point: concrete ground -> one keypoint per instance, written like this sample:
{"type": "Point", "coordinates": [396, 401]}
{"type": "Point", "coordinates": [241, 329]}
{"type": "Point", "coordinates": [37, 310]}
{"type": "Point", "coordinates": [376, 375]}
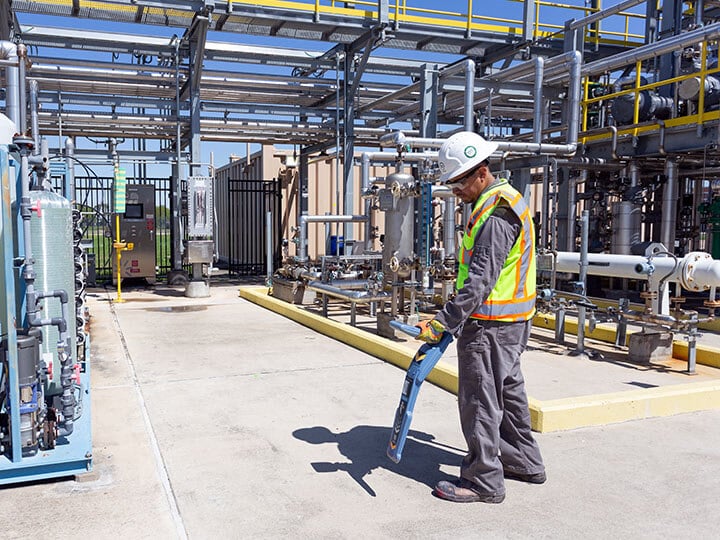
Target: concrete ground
{"type": "Point", "coordinates": [216, 418]}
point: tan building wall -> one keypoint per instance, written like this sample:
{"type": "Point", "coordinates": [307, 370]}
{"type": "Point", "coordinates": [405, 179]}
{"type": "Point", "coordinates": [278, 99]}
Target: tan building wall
{"type": "Point", "coordinates": [323, 195]}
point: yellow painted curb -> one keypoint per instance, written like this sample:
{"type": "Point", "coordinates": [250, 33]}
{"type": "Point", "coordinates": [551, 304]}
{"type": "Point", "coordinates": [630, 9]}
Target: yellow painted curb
{"type": "Point", "coordinates": [704, 354]}
{"type": "Point", "coordinates": [443, 375]}
{"type": "Point", "coordinates": [601, 409]}
{"type": "Point", "coordinates": [545, 416]}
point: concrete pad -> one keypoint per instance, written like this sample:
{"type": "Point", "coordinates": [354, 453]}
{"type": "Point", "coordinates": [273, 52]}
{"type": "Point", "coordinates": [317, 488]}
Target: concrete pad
{"type": "Point", "coordinates": [288, 440]}
{"type": "Point", "coordinates": [565, 391]}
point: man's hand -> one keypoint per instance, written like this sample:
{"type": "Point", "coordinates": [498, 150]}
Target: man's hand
{"type": "Point", "coordinates": [430, 331]}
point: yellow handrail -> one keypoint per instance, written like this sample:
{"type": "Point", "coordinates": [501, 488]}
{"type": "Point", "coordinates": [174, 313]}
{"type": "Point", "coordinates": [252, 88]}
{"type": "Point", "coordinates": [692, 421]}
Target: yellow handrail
{"type": "Point", "coordinates": [698, 117]}
{"type": "Point", "coordinates": [403, 11]}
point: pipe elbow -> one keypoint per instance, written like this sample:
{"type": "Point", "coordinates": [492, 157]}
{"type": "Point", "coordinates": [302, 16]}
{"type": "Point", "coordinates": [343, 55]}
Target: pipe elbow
{"type": "Point", "coordinates": [572, 149]}
{"type": "Point", "coordinates": [8, 50]}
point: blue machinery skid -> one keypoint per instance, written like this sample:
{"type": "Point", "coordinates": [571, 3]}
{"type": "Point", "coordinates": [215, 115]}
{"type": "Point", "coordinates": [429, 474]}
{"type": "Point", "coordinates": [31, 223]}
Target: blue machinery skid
{"type": "Point", "coordinates": [45, 428]}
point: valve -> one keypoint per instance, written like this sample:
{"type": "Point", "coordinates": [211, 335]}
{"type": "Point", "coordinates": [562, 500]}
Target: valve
{"type": "Point", "coordinates": [123, 246]}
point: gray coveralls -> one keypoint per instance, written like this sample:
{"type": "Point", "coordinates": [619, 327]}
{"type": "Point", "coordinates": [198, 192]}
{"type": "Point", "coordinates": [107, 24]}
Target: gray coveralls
{"type": "Point", "coordinates": [494, 412]}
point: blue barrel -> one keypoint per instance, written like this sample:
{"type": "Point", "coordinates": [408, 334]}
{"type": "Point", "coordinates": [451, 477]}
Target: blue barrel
{"type": "Point", "coordinates": [337, 244]}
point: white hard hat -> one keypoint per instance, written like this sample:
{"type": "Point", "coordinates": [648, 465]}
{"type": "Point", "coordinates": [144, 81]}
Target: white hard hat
{"type": "Point", "coordinates": [462, 152]}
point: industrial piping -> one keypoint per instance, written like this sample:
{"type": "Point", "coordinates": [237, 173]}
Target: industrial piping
{"type": "Point", "coordinates": [8, 51]}
{"type": "Point", "coordinates": [304, 220]}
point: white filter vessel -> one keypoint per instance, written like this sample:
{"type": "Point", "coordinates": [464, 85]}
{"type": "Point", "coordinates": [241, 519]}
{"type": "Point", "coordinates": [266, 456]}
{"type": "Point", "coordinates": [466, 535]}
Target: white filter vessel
{"type": "Point", "coordinates": [52, 245]}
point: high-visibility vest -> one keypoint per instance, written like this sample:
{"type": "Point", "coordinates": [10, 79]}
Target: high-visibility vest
{"type": "Point", "coordinates": [513, 296]}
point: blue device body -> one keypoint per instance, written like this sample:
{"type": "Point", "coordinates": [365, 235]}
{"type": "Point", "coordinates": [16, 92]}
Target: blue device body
{"type": "Point", "coordinates": [422, 364]}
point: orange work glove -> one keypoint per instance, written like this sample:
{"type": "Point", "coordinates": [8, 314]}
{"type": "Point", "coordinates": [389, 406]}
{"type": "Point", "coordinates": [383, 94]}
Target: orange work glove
{"type": "Point", "coordinates": [430, 331]}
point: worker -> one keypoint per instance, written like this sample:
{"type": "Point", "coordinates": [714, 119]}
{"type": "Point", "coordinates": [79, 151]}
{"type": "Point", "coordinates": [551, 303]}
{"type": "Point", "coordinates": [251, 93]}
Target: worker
{"type": "Point", "coordinates": [490, 314]}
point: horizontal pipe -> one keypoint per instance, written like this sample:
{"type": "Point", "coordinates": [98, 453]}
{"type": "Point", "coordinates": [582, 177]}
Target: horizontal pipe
{"type": "Point", "coordinates": [304, 220]}
{"type": "Point", "coordinates": [697, 271]}
{"type": "Point", "coordinates": [359, 297]}
{"type": "Point", "coordinates": [333, 219]}
{"type": "Point", "coordinates": [652, 50]}
{"type": "Point", "coordinates": [599, 15]}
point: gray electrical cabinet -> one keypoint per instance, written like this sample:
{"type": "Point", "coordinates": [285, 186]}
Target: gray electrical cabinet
{"type": "Point", "coordinates": [137, 226]}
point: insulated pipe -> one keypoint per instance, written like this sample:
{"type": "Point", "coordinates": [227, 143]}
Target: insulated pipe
{"type": "Point", "coordinates": [8, 51]}
{"type": "Point", "coordinates": [670, 198]}
{"type": "Point", "coordinates": [305, 219]}
{"type": "Point", "coordinates": [697, 271]}
{"type": "Point", "coordinates": [442, 191]}
{"type": "Point", "coordinates": [398, 138]}
{"type": "Point", "coordinates": [538, 105]}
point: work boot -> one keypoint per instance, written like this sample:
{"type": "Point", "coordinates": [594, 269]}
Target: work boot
{"type": "Point", "coordinates": [464, 491]}
{"type": "Point", "coordinates": [535, 478]}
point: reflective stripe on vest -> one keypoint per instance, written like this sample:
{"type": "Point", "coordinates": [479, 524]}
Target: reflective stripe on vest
{"type": "Point", "coordinates": [513, 296]}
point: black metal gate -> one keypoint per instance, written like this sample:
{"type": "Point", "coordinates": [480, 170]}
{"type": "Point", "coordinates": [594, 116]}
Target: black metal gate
{"type": "Point", "coordinates": [249, 202]}
{"type": "Point", "coordinates": [93, 195]}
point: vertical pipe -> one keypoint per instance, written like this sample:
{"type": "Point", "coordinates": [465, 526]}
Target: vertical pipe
{"type": "Point", "coordinates": [268, 246]}
{"type": "Point", "coordinates": [22, 57]}
{"type": "Point", "coordinates": [572, 211]}
{"type": "Point", "coordinates": [584, 223]}
{"type": "Point", "coordinates": [575, 91]}
{"type": "Point", "coordinates": [337, 139]}
{"type": "Point", "coordinates": [538, 96]}
{"type": "Point", "coordinates": [669, 205]}
{"type": "Point", "coordinates": [34, 124]}
{"type": "Point", "coordinates": [699, 9]}
{"type": "Point", "coordinates": [449, 228]}
{"type": "Point", "coordinates": [69, 190]}
{"type": "Point", "coordinates": [367, 207]}
{"type": "Point", "coordinates": [469, 94]}
{"type": "Point", "coordinates": [176, 184]}
{"type": "Point", "coordinates": [545, 226]}
{"type": "Point", "coordinates": [8, 51]}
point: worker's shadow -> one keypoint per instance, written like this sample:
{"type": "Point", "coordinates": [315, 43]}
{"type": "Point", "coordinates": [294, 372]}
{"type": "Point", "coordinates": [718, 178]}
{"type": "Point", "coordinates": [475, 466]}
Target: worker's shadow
{"type": "Point", "coordinates": [365, 446]}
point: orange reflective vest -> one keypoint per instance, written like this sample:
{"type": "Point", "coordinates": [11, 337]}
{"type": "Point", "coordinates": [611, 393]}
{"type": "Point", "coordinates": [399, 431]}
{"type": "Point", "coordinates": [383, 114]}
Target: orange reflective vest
{"type": "Point", "coordinates": [513, 296]}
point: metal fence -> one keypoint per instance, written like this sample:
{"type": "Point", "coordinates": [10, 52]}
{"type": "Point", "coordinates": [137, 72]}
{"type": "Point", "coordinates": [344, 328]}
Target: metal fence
{"type": "Point", "coordinates": [94, 200]}
{"type": "Point", "coordinates": [241, 234]}
{"type": "Point", "coordinates": [242, 209]}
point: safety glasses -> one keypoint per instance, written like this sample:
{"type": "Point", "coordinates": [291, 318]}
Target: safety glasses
{"type": "Point", "coordinates": [460, 182]}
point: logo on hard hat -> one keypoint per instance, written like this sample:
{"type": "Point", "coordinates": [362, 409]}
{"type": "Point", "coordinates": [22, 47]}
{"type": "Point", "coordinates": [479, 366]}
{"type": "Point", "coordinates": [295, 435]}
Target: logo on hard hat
{"type": "Point", "coordinates": [470, 152]}
{"type": "Point", "coordinates": [441, 164]}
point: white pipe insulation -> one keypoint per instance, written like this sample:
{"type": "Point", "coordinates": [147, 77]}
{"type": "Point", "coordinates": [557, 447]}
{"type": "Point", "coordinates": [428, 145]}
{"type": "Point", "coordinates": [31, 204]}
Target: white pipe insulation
{"type": "Point", "coordinates": [697, 271]}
